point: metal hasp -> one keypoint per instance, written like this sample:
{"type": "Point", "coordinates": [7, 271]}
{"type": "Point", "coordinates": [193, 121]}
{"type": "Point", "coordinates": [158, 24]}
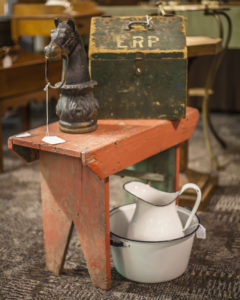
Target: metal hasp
{"type": "Point", "coordinates": [77, 107]}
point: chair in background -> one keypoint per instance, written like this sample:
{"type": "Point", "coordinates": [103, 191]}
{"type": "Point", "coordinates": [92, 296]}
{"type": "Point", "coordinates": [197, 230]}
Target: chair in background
{"type": "Point", "coordinates": [206, 91]}
{"type": "Point", "coordinates": [22, 81]}
{"type": "Point", "coordinates": [199, 46]}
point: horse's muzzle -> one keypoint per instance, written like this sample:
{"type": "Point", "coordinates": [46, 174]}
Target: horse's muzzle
{"type": "Point", "coordinates": [53, 52]}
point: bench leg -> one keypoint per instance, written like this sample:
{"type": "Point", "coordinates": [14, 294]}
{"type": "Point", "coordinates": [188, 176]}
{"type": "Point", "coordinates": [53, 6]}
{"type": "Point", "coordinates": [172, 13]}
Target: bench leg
{"type": "Point", "coordinates": [72, 193]}
{"type": "Point", "coordinates": [92, 226]}
{"type": "Point", "coordinates": [57, 228]}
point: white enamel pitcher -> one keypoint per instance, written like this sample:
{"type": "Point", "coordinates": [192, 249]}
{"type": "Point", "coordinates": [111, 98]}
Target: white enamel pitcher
{"type": "Point", "coordinates": [156, 217]}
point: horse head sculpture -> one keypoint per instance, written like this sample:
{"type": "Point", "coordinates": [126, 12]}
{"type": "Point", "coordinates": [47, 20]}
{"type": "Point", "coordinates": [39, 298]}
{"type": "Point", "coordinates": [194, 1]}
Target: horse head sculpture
{"type": "Point", "coordinates": [77, 107]}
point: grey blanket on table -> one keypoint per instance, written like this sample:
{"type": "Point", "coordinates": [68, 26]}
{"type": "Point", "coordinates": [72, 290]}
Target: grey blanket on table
{"type": "Point", "coordinates": [214, 267]}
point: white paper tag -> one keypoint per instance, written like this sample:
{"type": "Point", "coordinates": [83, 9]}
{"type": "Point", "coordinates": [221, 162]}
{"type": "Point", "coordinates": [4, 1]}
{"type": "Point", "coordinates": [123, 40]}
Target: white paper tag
{"type": "Point", "coordinates": [25, 134]}
{"type": "Point", "coordinates": [201, 232]}
{"type": "Point", "coordinates": [7, 61]}
{"type": "Point", "coordinates": [53, 140]}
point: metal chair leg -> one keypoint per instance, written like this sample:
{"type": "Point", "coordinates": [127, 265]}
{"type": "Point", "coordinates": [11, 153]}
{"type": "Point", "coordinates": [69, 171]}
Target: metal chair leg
{"type": "Point", "coordinates": [205, 111]}
{"type": "Point", "coordinates": [207, 124]}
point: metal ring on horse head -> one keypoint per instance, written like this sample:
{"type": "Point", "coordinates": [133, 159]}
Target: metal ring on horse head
{"type": "Point", "coordinates": [57, 85]}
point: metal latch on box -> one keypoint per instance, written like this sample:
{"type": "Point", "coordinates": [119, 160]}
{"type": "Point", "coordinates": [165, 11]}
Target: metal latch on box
{"type": "Point", "coordinates": [139, 63]}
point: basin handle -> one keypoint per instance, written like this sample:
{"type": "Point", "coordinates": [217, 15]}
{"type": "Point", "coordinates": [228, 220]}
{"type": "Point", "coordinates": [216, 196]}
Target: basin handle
{"type": "Point", "coordinates": [118, 244]}
{"type": "Point", "coordinates": [197, 201]}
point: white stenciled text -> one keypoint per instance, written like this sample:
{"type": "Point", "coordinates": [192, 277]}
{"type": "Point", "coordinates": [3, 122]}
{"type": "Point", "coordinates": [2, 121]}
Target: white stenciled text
{"type": "Point", "coordinates": [137, 42]}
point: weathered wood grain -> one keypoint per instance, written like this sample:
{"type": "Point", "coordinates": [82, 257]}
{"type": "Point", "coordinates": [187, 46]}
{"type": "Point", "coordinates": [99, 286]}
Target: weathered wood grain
{"type": "Point", "coordinates": [72, 193]}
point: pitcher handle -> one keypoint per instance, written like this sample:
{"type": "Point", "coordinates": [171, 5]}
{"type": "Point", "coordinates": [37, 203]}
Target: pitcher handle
{"type": "Point", "coordinates": [197, 202]}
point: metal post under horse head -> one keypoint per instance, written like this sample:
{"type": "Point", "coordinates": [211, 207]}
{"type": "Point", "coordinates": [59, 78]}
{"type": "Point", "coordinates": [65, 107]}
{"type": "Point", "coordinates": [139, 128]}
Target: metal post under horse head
{"type": "Point", "coordinates": [77, 108]}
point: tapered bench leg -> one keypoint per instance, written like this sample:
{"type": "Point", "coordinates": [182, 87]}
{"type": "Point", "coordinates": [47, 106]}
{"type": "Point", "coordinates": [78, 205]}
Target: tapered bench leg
{"type": "Point", "coordinates": [57, 229]}
{"type": "Point", "coordinates": [92, 225]}
{"type": "Point", "coordinates": [71, 192]}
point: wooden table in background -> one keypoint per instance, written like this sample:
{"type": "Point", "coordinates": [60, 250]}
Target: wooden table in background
{"type": "Point", "coordinates": [22, 82]}
{"type": "Point", "coordinates": [75, 181]}
{"type": "Point", "coordinates": [203, 45]}
{"type": "Point", "coordinates": [38, 19]}
{"type": "Point", "coordinates": [198, 46]}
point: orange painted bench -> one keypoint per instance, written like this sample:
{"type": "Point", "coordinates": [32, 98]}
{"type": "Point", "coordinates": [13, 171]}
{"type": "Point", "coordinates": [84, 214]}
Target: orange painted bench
{"type": "Point", "coordinates": [75, 181]}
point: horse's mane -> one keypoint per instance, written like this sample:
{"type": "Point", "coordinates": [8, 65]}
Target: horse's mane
{"type": "Point", "coordinates": [74, 37]}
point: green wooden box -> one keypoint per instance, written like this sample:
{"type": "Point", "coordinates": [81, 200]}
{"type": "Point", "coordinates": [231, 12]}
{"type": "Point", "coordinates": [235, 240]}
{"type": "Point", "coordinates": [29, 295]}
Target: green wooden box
{"type": "Point", "coordinates": [140, 66]}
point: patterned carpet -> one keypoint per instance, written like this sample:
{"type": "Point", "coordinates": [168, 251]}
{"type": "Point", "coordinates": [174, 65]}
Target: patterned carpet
{"type": "Point", "coordinates": [214, 268]}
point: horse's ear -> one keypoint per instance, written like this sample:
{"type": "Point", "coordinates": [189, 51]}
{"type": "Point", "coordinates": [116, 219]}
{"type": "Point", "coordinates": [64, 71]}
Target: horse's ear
{"type": "Point", "coordinates": [71, 24]}
{"type": "Point", "coordinates": [57, 21]}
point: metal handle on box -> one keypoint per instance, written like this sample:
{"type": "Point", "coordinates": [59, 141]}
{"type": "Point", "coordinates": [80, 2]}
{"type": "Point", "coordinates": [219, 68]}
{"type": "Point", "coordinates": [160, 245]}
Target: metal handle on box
{"type": "Point", "coordinates": [146, 24]}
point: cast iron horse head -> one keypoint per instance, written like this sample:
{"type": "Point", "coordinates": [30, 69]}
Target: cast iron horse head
{"type": "Point", "coordinates": [77, 107]}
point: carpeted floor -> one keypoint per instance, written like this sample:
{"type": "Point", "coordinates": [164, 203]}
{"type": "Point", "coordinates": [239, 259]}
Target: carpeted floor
{"type": "Point", "coordinates": [214, 268]}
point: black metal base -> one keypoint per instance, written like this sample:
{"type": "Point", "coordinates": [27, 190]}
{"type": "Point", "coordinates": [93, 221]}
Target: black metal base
{"type": "Point", "coordinates": [80, 127]}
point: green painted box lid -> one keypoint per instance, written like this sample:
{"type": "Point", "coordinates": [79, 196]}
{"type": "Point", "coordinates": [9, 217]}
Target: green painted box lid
{"type": "Point", "coordinates": [140, 65]}
{"type": "Point", "coordinates": [122, 37]}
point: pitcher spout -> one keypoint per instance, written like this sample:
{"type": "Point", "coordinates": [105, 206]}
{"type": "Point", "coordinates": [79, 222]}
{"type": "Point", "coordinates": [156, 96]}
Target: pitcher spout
{"type": "Point", "coordinates": [149, 194]}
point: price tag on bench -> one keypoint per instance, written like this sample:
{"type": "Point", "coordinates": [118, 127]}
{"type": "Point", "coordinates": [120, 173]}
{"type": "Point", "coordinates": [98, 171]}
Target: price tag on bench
{"type": "Point", "coordinates": [53, 140]}
{"type": "Point", "coordinates": [25, 134]}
